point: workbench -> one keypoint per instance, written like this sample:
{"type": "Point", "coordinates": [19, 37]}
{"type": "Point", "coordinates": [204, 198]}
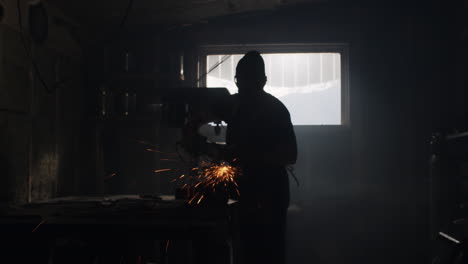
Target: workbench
{"type": "Point", "coordinates": [129, 228]}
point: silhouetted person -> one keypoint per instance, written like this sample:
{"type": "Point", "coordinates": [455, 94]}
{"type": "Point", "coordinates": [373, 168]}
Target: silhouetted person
{"type": "Point", "coordinates": [260, 135]}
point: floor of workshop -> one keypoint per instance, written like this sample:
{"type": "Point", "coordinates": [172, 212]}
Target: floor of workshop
{"type": "Point", "coordinates": [364, 230]}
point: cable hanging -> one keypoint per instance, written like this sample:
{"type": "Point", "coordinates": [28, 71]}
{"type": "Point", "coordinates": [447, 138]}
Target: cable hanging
{"type": "Point", "coordinates": [28, 51]}
{"type": "Point", "coordinates": [29, 54]}
{"type": "Point", "coordinates": [216, 65]}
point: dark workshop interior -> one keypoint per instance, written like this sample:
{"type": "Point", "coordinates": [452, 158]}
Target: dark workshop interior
{"type": "Point", "coordinates": [114, 116]}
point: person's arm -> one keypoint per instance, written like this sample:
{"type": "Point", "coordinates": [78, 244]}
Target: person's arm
{"type": "Point", "coordinates": [286, 149]}
{"type": "Point", "coordinates": [192, 141]}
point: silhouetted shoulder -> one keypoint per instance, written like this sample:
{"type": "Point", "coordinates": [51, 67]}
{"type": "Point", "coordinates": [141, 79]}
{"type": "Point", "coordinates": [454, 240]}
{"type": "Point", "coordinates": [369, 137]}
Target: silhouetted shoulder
{"type": "Point", "coordinates": [276, 106]}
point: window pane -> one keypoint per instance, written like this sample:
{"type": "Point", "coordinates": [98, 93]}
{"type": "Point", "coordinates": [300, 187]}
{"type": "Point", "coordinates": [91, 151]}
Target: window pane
{"type": "Point", "coordinates": [308, 84]}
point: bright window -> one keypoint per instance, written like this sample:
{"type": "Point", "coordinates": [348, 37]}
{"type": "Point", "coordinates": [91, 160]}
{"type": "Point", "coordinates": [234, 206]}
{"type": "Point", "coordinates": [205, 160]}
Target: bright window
{"type": "Point", "coordinates": [308, 84]}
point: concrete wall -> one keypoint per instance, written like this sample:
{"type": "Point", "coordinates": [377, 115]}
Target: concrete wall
{"type": "Point", "coordinates": [40, 142]}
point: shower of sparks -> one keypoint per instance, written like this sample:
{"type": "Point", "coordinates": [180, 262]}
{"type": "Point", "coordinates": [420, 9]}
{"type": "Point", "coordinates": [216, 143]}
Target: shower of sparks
{"type": "Point", "coordinates": [200, 181]}
{"type": "Point", "coordinates": [34, 230]}
{"type": "Point", "coordinates": [162, 170]}
{"type": "Point", "coordinates": [210, 178]}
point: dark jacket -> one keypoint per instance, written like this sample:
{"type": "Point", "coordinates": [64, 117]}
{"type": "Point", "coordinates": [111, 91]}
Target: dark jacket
{"type": "Point", "coordinates": [261, 137]}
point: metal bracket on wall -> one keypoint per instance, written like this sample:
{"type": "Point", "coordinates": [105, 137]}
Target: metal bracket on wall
{"type": "Point", "coordinates": [2, 11]}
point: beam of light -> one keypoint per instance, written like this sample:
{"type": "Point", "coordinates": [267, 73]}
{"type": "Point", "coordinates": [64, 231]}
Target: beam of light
{"type": "Point", "coordinates": [42, 222]}
{"type": "Point", "coordinates": [162, 170]}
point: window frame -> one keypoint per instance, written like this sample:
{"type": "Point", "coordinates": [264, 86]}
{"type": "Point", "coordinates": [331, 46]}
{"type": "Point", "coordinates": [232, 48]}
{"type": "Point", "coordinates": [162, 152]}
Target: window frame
{"type": "Point", "coordinates": [341, 48]}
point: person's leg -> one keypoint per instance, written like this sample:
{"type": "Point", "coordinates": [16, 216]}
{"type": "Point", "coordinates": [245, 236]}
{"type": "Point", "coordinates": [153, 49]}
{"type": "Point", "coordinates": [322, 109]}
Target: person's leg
{"type": "Point", "coordinates": [250, 234]}
{"type": "Point", "coordinates": [274, 235]}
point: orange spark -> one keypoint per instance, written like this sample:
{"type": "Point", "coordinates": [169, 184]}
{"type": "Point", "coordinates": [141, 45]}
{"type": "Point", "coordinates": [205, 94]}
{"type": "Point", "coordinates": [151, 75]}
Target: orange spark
{"type": "Point", "coordinates": [34, 230]}
{"type": "Point", "coordinates": [167, 245]}
{"type": "Point", "coordinates": [193, 198]}
{"type": "Point", "coordinates": [153, 150]}
{"type": "Point", "coordinates": [161, 152]}
{"type": "Point", "coordinates": [162, 170]}
{"type": "Point", "coordinates": [145, 143]}
{"type": "Point", "coordinates": [201, 198]}
{"type": "Point", "coordinates": [110, 176]}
